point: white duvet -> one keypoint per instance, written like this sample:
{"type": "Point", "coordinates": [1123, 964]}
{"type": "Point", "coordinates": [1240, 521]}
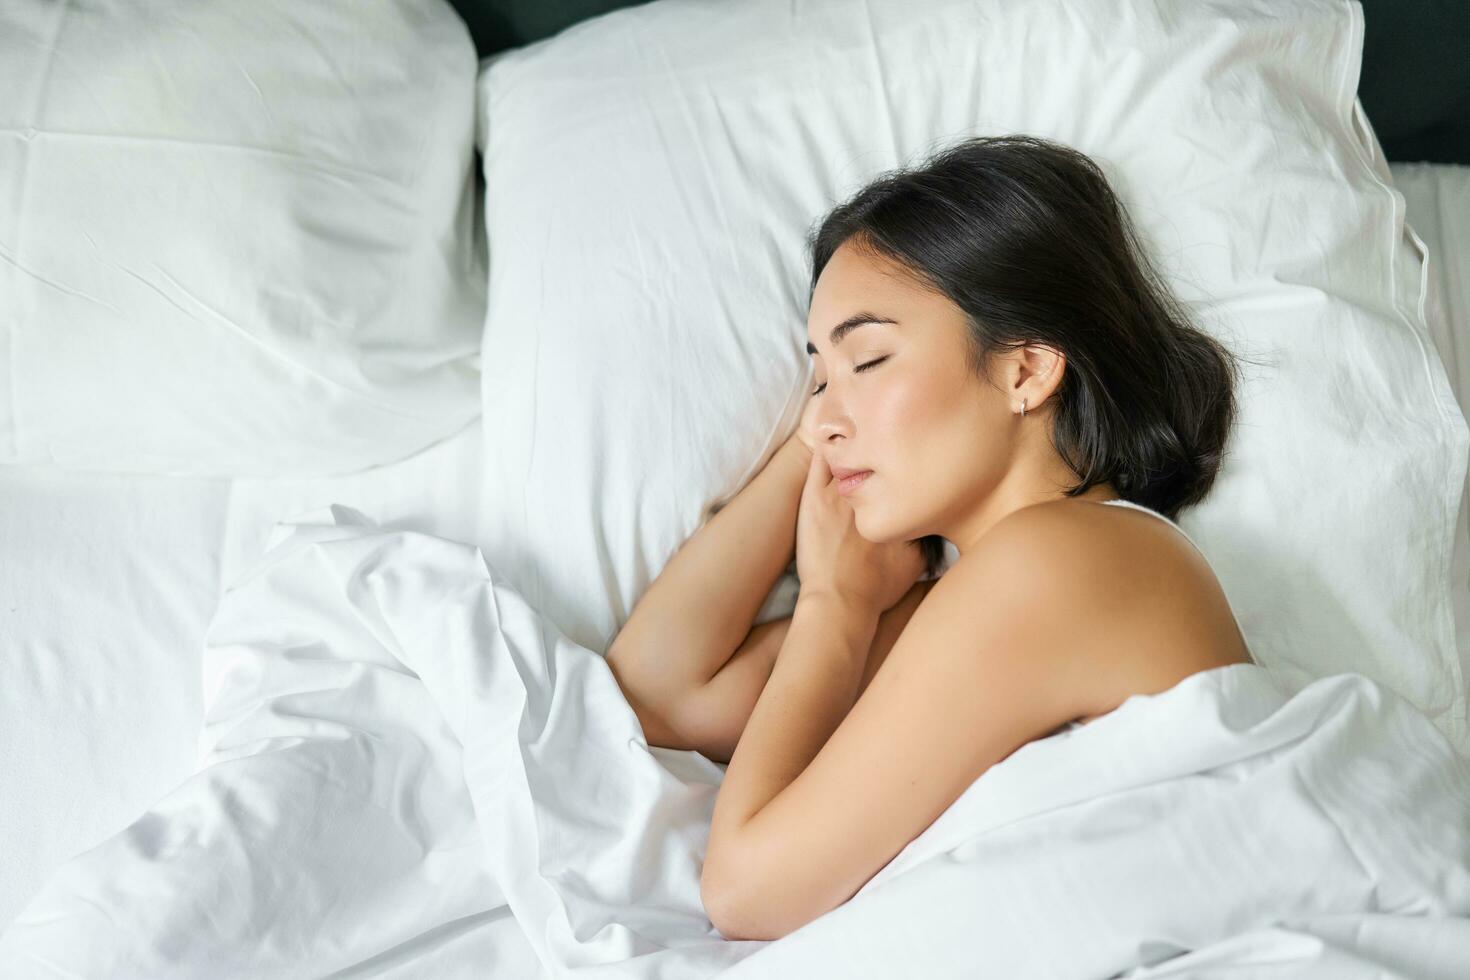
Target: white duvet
{"type": "Point", "coordinates": [399, 754]}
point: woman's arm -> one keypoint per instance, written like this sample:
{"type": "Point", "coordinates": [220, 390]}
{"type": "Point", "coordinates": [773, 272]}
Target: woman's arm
{"type": "Point", "coordinates": [688, 624]}
{"type": "Point", "coordinates": [711, 718]}
{"type": "Point", "coordinates": [814, 686]}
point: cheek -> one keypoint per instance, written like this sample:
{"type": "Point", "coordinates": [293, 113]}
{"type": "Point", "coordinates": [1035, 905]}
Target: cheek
{"type": "Point", "coordinates": [904, 427]}
{"type": "Point", "coordinates": [909, 412]}
{"type": "Point", "coordinates": [934, 435]}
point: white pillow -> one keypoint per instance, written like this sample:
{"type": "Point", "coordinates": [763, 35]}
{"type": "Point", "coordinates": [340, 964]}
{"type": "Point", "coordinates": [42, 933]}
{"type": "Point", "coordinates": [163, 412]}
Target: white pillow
{"type": "Point", "coordinates": [652, 174]}
{"type": "Point", "coordinates": [236, 238]}
{"type": "Point", "coordinates": [1437, 202]}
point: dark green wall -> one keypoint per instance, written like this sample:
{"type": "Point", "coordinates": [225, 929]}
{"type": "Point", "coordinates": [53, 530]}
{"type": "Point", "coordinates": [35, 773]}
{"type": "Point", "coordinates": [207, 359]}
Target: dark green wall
{"type": "Point", "coordinates": [499, 24]}
{"type": "Point", "coordinates": [1415, 84]}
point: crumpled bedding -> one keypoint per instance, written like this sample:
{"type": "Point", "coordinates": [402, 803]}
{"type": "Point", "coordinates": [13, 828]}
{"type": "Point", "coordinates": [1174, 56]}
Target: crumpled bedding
{"type": "Point", "coordinates": [398, 750]}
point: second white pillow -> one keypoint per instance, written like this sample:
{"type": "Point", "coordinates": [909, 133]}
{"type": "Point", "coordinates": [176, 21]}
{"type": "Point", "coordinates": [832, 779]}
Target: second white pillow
{"type": "Point", "coordinates": [236, 239]}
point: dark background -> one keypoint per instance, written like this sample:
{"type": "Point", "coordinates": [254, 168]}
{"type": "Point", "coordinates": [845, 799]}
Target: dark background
{"type": "Point", "coordinates": [1415, 83]}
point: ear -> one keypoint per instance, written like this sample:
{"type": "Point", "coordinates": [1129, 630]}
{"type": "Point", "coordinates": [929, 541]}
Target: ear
{"type": "Point", "coordinates": [1032, 372]}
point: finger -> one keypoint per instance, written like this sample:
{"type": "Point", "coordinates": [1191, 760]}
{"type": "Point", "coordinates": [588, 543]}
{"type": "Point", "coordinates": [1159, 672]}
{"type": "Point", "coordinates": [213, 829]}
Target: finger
{"type": "Point", "coordinates": [817, 473]}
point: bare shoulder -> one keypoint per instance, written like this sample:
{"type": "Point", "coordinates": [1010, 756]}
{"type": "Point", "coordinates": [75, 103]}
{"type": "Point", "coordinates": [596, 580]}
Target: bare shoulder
{"type": "Point", "coordinates": [1126, 601]}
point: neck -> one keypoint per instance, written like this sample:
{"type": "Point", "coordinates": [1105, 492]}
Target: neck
{"type": "Point", "coordinates": [1020, 488]}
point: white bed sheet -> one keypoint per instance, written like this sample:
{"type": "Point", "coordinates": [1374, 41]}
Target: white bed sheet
{"type": "Point", "coordinates": [107, 584]}
{"type": "Point", "coordinates": [398, 743]}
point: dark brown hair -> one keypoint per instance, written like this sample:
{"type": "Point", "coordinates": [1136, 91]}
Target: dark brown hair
{"type": "Point", "coordinates": [1027, 238]}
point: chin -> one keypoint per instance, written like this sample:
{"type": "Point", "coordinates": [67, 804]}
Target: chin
{"type": "Point", "coordinates": [871, 527]}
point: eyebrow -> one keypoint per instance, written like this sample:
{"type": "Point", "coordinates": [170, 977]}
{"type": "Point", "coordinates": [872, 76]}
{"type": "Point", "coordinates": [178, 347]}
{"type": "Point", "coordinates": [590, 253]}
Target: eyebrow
{"type": "Point", "coordinates": [848, 326]}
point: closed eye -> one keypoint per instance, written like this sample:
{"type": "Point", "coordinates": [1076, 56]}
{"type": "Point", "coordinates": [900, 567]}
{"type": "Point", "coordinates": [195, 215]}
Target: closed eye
{"type": "Point", "coordinates": [860, 367]}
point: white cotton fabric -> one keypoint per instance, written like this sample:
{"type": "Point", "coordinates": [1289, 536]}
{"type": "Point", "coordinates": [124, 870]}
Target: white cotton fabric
{"type": "Point", "coordinates": [236, 239]}
{"type": "Point", "coordinates": [107, 584]}
{"type": "Point", "coordinates": [397, 745]}
{"type": "Point", "coordinates": [1437, 198]}
{"type": "Point", "coordinates": [651, 175]}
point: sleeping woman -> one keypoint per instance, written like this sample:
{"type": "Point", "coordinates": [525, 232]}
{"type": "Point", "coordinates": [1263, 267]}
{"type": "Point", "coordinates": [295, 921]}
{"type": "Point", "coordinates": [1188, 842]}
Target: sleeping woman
{"type": "Point", "coordinates": [996, 361]}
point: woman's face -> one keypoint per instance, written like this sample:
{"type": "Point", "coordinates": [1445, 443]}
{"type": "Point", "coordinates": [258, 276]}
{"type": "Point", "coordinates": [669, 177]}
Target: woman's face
{"type": "Point", "coordinates": [899, 398]}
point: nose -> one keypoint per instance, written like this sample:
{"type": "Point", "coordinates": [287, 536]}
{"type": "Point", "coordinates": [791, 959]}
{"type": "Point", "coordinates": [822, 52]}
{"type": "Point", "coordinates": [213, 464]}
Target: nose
{"type": "Point", "coordinates": [833, 421]}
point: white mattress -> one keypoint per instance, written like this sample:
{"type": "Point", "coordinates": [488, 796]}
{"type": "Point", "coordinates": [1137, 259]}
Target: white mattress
{"type": "Point", "coordinates": [108, 582]}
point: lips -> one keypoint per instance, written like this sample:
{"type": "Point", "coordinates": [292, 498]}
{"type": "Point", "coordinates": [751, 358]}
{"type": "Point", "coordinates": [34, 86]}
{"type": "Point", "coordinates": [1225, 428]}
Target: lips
{"type": "Point", "coordinates": [842, 472]}
{"type": "Point", "coordinates": [847, 484]}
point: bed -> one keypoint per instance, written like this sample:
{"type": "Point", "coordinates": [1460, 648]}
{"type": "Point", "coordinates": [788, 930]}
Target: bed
{"type": "Point", "coordinates": [110, 580]}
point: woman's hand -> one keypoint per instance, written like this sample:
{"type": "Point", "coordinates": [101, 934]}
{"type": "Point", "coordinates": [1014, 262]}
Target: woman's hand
{"type": "Point", "coordinates": [806, 430]}
{"type": "Point", "coordinates": [800, 445]}
{"type": "Point", "coordinates": [831, 556]}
